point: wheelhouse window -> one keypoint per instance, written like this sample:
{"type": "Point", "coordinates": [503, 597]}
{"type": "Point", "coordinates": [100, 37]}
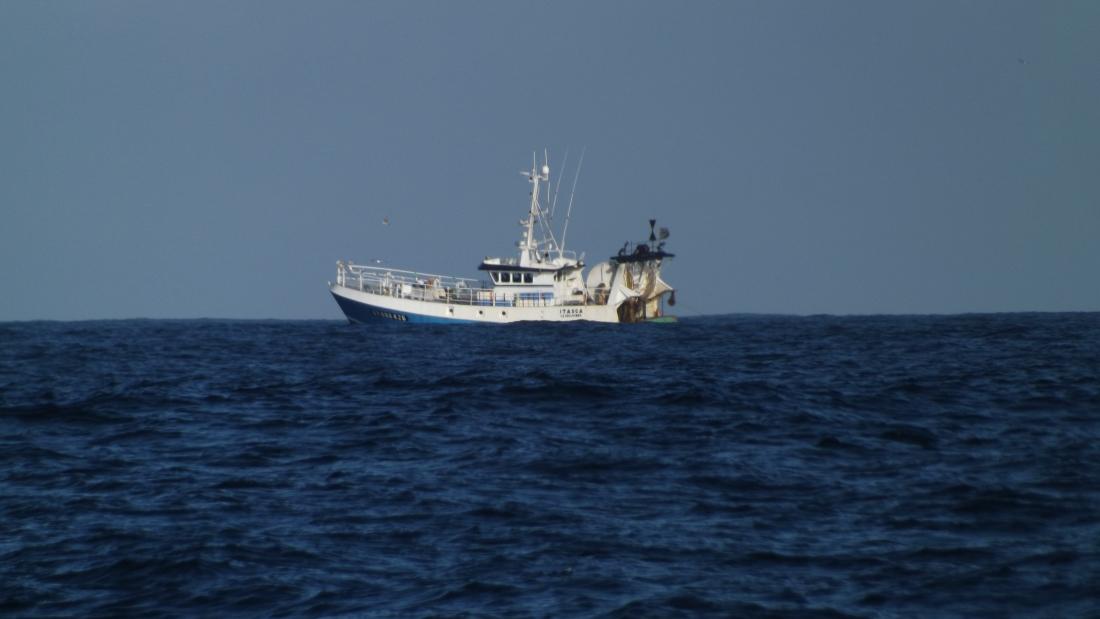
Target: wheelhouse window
{"type": "Point", "coordinates": [512, 277]}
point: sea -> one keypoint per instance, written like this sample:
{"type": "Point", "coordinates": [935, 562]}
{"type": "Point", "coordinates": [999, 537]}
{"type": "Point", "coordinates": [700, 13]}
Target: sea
{"type": "Point", "coordinates": [722, 466]}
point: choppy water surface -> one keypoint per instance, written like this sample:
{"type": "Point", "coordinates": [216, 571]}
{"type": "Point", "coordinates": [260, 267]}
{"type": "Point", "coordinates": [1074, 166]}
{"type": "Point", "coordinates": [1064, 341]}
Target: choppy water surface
{"type": "Point", "coordinates": [732, 466]}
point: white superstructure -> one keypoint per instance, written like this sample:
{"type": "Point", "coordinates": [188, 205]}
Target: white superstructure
{"type": "Point", "coordinates": [544, 282]}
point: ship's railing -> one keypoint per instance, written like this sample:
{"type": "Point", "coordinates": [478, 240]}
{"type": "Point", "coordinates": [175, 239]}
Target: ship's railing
{"type": "Point", "coordinates": [568, 254]}
{"type": "Point", "coordinates": [431, 287]}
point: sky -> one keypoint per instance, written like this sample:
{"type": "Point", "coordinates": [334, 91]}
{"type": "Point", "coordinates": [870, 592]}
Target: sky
{"type": "Point", "coordinates": [215, 159]}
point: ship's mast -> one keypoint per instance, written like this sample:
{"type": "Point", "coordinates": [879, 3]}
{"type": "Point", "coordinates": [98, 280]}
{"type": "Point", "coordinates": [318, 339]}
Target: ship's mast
{"type": "Point", "coordinates": [529, 249]}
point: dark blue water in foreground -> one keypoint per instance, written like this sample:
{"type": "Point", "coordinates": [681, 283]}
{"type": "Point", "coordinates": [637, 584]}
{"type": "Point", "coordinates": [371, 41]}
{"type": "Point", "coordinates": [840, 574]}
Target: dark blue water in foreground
{"type": "Point", "coordinates": [736, 466]}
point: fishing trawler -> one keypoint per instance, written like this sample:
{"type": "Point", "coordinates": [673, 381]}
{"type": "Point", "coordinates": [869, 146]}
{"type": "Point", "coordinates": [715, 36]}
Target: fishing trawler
{"type": "Point", "coordinates": [545, 282]}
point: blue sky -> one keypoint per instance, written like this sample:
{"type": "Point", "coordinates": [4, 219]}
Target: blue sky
{"type": "Point", "coordinates": [197, 159]}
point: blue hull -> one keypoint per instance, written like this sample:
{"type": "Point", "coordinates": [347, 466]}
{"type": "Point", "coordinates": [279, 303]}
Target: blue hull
{"type": "Point", "coordinates": [364, 312]}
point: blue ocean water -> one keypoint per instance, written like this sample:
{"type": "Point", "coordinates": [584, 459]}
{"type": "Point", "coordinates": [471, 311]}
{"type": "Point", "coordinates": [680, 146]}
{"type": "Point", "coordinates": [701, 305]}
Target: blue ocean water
{"type": "Point", "coordinates": [745, 466]}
